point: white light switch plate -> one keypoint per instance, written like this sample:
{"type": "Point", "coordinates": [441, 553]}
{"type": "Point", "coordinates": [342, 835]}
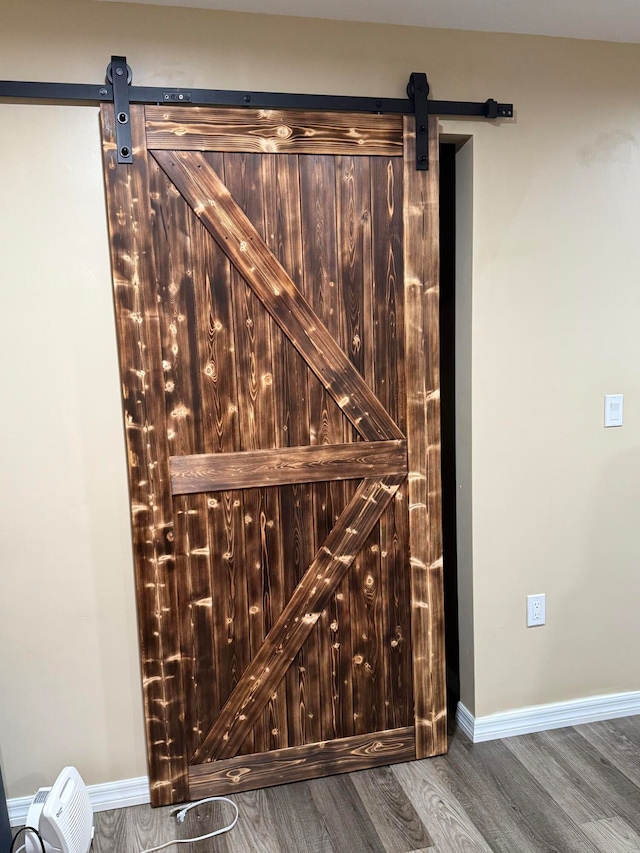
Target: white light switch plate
{"type": "Point", "coordinates": [613, 409]}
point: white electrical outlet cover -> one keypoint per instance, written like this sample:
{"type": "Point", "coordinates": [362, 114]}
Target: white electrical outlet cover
{"type": "Point", "coordinates": [536, 610]}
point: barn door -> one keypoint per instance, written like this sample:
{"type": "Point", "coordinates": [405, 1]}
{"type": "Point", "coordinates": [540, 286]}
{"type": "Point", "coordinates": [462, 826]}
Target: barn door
{"type": "Point", "coordinates": [276, 291]}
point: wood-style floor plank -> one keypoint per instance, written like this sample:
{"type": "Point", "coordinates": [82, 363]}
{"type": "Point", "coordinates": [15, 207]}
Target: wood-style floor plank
{"type": "Point", "coordinates": [537, 812]}
{"type": "Point", "coordinates": [521, 795]}
{"type": "Point", "coordinates": [613, 788]}
{"type": "Point", "coordinates": [445, 819]}
{"type": "Point", "coordinates": [489, 811]}
{"type": "Point", "coordinates": [201, 821]}
{"type": "Point", "coordinates": [256, 830]}
{"type": "Point", "coordinates": [349, 826]}
{"type": "Point", "coordinates": [619, 740]}
{"type": "Point", "coordinates": [613, 835]}
{"type": "Point", "coordinates": [570, 790]}
{"type": "Point", "coordinates": [133, 829]}
{"type": "Point", "coordinates": [391, 811]}
{"type": "Point", "coordinates": [300, 824]}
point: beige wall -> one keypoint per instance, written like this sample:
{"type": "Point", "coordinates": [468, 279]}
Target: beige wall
{"type": "Point", "coordinates": [555, 307]}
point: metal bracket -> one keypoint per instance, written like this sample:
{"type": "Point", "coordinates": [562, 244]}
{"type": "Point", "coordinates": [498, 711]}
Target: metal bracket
{"type": "Point", "coordinates": [179, 97]}
{"type": "Point", "coordinates": [418, 89]}
{"type": "Point", "coordinates": [119, 74]}
{"type": "Point", "coordinates": [496, 110]}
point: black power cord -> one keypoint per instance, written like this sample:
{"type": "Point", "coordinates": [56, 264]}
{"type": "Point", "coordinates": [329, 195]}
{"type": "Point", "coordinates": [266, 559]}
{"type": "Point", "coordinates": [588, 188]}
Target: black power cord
{"type": "Point", "coordinates": [26, 829]}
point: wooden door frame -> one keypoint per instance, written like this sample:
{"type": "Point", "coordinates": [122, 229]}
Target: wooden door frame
{"type": "Point", "coordinates": [172, 780]}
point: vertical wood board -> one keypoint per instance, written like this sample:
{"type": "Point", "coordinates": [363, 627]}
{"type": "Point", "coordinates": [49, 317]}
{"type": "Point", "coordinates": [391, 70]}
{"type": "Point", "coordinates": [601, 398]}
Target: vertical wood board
{"type": "Point", "coordinates": [422, 360]}
{"type": "Point", "coordinates": [140, 354]}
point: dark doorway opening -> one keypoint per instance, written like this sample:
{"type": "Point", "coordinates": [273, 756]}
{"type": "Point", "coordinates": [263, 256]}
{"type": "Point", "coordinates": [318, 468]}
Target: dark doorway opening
{"type": "Point", "coordinates": [448, 414]}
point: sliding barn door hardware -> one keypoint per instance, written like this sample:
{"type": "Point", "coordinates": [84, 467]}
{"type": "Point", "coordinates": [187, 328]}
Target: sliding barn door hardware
{"type": "Point", "coordinates": [418, 90]}
{"type": "Point", "coordinates": [120, 75]}
{"type": "Point", "coordinates": [119, 90]}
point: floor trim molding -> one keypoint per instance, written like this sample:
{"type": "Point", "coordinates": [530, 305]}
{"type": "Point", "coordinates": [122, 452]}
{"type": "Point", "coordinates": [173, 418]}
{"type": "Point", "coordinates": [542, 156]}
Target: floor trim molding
{"type": "Point", "coordinates": [540, 718]}
{"type": "Point", "coordinates": [537, 718]}
{"type": "Point", "coordinates": [110, 795]}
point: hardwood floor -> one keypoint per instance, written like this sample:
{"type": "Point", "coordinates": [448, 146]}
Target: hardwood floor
{"type": "Point", "coordinates": [569, 790]}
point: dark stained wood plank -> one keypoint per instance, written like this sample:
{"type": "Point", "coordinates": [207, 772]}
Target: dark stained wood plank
{"type": "Point", "coordinates": [354, 238]}
{"type": "Point", "coordinates": [422, 359]}
{"type": "Point", "coordinates": [322, 289]}
{"type": "Point", "coordinates": [273, 131]}
{"type": "Point", "coordinates": [303, 694]}
{"type": "Point", "coordinates": [266, 601]}
{"type": "Point", "coordinates": [298, 618]}
{"type": "Point", "coordinates": [388, 284]}
{"type": "Point", "coordinates": [180, 341]}
{"type": "Point", "coordinates": [296, 763]}
{"type": "Point", "coordinates": [275, 598]}
{"type": "Point", "coordinates": [178, 320]}
{"type": "Point", "coordinates": [221, 382]}
{"type": "Point", "coordinates": [220, 433]}
{"type": "Point", "coordinates": [349, 825]}
{"type": "Point", "coordinates": [359, 604]}
{"type": "Point", "coordinates": [366, 639]}
{"type": "Point", "coordinates": [224, 219]}
{"type": "Point", "coordinates": [365, 617]}
{"type": "Point", "coordinates": [297, 387]}
{"type": "Point", "coordinates": [283, 466]}
{"type": "Point", "coordinates": [139, 345]}
{"type": "Point", "coordinates": [283, 235]}
{"type": "Point", "coordinates": [196, 602]}
{"type": "Point", "coordinates": [277, 588]}
{"type": "Point", "coordinates": [390, 387]}
{"type": "Point", "coordinates": [395, 819]}
{"type": "Point", "coordinates": [353, 205]}
{"type": "Point", "coordinates": [254, 367]}
{"type": "Point", "coordinates": [216, 337]}
{"type": "Point", "coordinates": [229, 592]}
{"type": "Point", "coordinates": [396, 598]}
{"type": "Point", "coordinates": [338, 636]}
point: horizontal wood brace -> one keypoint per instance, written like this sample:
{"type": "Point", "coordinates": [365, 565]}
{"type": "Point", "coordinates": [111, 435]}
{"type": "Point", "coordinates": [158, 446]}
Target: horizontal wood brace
{"type": "Point", "coordinates": [250, 469]}
{"type": "Point", "coordinates": [293, 764]}
{"type": "Point", "coordinates": [273, 131]}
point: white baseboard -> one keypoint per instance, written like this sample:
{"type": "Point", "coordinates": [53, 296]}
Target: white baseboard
{"type": "Point", "coordinates": [540, 718]}
{"type": "Point", "coordinates": [466, 720]}
{"type": "Point", "coordinates": [110, 795]}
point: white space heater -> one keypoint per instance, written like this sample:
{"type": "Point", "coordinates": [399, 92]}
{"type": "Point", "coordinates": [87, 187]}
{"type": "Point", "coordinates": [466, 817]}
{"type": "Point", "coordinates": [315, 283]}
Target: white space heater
{"type": "Point", "coordinates": [62, 815]}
